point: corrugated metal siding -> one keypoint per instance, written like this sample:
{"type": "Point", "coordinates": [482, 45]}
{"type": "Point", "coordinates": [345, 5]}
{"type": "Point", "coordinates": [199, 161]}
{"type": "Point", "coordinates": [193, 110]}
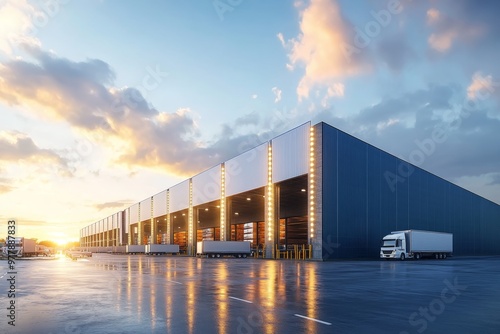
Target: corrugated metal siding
{"type": "Point", "coordinates": [146, 209]}
{"type": "Point", "coordinates": [206, 186]}
{"type": "Point", "coordinates": [160, 204]}
{"type": "Point", "coordinates": [291, 153]}
{"type": "Point", "coordinates": [247, 171]}
{"type": "Point", "coordinates": [134, 212]}
{"type": "Point", "coordinates": [179, 196]}
{"type": "Point", "coordinates": [367, 193]}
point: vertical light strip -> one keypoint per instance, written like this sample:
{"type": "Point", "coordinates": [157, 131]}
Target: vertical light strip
{"type": "Point", "coordinates": [311, 182]}
{"type": "Point", "coordinates": [168, 217]}
{"type": "Point", "coordinates": [129, 236]}
{"type": "Point", "coordinates": [190, 216]}
{"type": "Point", "coordinates": [139, 229]}
{"type": "Point", "coordinates": [223, 202]}
{"type": "Point", "coordinates": [152, 237]}
{"type": "Point", "coordinates": [269, 195]}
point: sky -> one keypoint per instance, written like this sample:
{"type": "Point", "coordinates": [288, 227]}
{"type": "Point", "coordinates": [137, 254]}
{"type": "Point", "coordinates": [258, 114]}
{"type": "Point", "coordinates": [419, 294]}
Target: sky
{"type": "Point", "coordinates": [104, 103]}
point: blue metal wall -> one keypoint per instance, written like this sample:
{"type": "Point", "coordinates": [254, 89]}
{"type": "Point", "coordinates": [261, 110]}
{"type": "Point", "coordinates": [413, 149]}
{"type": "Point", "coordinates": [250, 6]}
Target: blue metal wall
{"type": "Point", "coordinates": [367, 193]}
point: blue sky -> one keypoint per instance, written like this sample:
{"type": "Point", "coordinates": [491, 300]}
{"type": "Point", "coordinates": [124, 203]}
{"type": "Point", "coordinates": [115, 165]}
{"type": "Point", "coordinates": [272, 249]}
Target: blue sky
{"type": "Point", "coordinates": [104, 103]}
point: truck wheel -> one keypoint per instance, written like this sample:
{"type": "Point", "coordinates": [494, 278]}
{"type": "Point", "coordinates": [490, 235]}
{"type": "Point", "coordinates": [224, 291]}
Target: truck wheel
{"type": "Point", "coordinates": [239, 255]}
{"type": "Point", "coordinates": [212, 255]}
{"type": "Point", "coordinates": [436, 256]}
{"type": "Point", "coordinates": [417, 256]}
{"type": "Point", "coordinates": [402, 257]}
{"type": "Point", "coordinates": [444, 256]}
{"type": "Point", "coordinates": [218, 255]}
{"type": "Point", "coordinates": [244, 256]}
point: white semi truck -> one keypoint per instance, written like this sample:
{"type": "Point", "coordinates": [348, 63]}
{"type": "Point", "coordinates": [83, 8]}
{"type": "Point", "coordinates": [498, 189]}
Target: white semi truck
{"type": "Point", "coordinates": [415, 244]}
{"type": "Point", "coordinates": [211, 248]}
{"type": "Point", "coordinates": [19, 247]}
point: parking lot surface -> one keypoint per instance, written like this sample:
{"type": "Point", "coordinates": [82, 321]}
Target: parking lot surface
{"type": "Point", "coordinates": [147, 294]}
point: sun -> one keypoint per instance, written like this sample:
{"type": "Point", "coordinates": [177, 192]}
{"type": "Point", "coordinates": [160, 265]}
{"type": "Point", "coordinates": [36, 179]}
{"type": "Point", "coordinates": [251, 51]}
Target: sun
{"type": "Point", "coordinates": [61, 242]}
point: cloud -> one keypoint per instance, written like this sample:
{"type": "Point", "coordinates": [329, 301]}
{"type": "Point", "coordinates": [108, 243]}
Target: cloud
{"type": "Point", "coordinates": [119, 120]}
{"type": "Point", "coordinates": [480, 85]}
{"type": "Point", "coordinates": [15, 23]}
{"type": "Point", "coordinates": [277, 94]}
{"type": "Point", "coordinates": [324, 47]}
{"type": "Point", "coordinates": [494, 179]}
{"type": "Point", "coordinates": [433, 16]}
{"type": "Point", "coordinates": [112, 205]}
{"type": "Point", "coordinates": [395, 51]}
{"type": "Point", "coordinates": [16, 147]}
{"type": "Point", "coordinates": [254, 96]}
{"type": "Point", "coordinates": [5, 184]}
{"type": "Point", "coordinates": [413, 117]}
{"type": "Point", "coordinates": [411, 109]}
{"type": "Point", "coordinates": [281, 39]}
{"type": "Point", "coordinates": [448, 30]}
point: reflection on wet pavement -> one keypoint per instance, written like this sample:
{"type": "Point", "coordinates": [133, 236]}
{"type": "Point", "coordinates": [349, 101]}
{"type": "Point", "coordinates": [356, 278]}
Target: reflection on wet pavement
{"type": "Point", "coordinates": [173, 294]}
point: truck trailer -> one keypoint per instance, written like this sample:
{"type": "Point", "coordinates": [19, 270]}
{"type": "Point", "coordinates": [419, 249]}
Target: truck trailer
{"type": "Point", "coordinates": [211, 248]}
{"type": "Point", "coordinates": [135, 249]}
{"type": "Point", "coordinates": [157, 249]}
{"type": "Point", "coordinates": [19, 247]}
{"type": "Point", "coordinates": [415, 244]}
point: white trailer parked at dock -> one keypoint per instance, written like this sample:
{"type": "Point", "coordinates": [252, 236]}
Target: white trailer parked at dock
{"type": "Point", "coordinates": [416, 244]}
{"type": "Point", "coordinates": [157, 249]}
{"type": "Point", "coordinates": [211, 248]}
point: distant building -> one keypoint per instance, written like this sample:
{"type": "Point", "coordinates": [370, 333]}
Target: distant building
{"type": "Point", "coordinates": [312, 185]}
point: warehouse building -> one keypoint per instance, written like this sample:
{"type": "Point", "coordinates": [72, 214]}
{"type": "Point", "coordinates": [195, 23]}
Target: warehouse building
{"type": "Point", "coordinates": [314, 186]}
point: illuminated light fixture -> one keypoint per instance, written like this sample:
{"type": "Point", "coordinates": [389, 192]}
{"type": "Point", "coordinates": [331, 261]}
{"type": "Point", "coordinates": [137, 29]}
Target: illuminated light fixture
{"type": "Point", "coordinates": [190, 213]}
{"type": "Point", "coordinates": [312, 206]}
{"type": "Point", "coordinates": [222, 205]}
{"type": "Point", "coordinates": [206, 209]}
{"type": "Point", "coordinates": [269, 193]}
{"type": "Point", "coordinates": [249, 199]}
{"type": "Point", "coordinates": [236, 213]}
{"type": "Point", "coordinates": [168, 216]}
{"type": "Point", "coordinates": [303, 190]}
{"type": "Point", "coordinates": [183, 214]}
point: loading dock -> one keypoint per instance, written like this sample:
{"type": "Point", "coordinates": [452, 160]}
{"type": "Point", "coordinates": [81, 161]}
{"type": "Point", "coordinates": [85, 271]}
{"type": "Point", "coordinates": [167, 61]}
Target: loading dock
{"type": "Point", "coordinates": [179, 225]}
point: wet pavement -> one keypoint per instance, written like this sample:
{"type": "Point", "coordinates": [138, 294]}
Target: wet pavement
{"type": "Point", "coordinates": [172, 294]}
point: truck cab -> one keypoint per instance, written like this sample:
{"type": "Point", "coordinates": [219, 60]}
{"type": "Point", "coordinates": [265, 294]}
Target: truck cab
{"type": "Point", "coordinates": [394, 247]}
{"type": "Point", "coordinates": [416, 244]}
{"type": "Point", "coordinates": [13, 247]}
